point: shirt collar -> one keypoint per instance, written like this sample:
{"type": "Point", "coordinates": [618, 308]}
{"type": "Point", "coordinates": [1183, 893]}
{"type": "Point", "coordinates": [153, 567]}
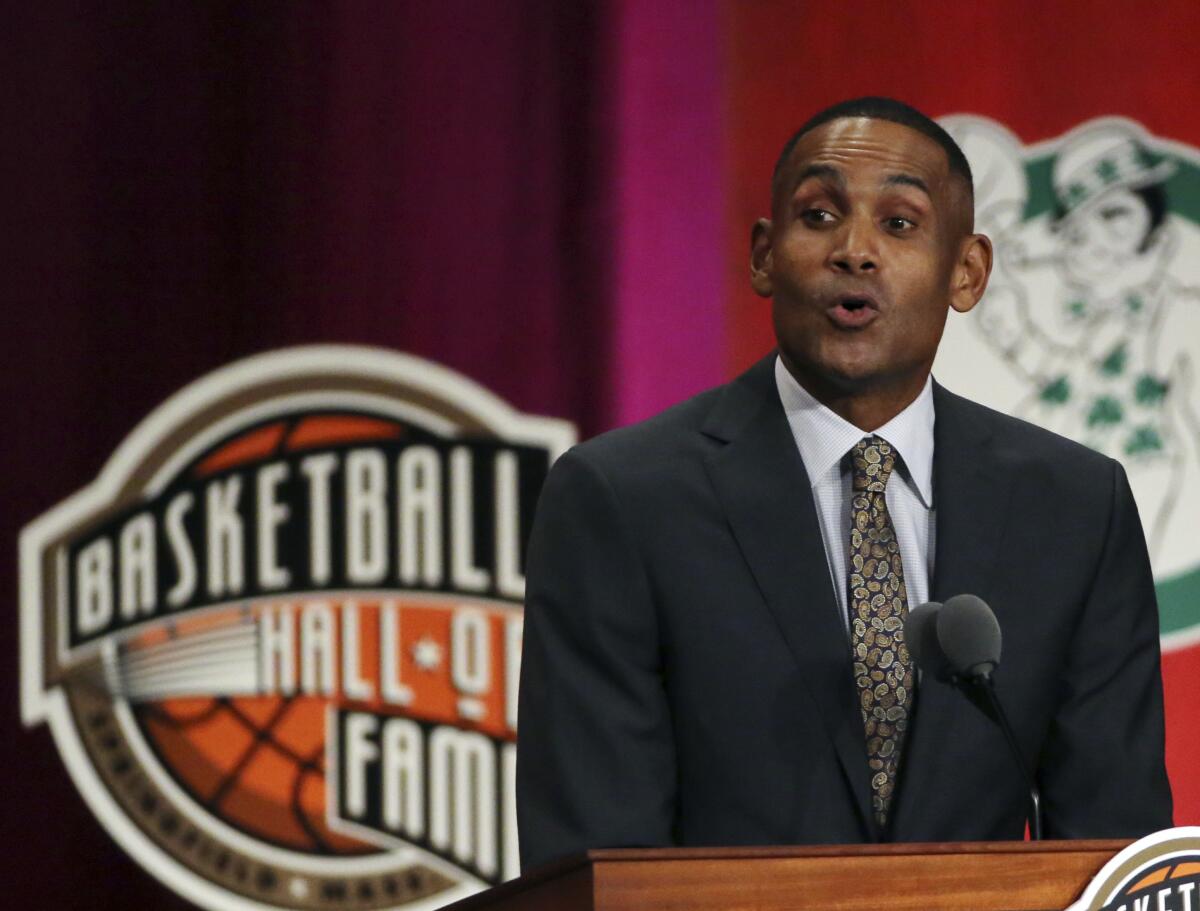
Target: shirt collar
{"type": "Point", "coordinates": [823, 437]}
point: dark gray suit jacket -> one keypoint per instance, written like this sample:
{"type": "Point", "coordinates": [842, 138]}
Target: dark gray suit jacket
{"type": "Point", "coordinates": [686, 678]}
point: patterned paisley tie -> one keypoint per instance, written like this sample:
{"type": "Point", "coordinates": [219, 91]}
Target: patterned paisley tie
{"type": "Point", "coordinates": [883, 670]}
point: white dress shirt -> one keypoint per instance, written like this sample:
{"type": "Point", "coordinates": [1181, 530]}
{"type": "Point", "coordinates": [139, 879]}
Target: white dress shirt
{"type": "Point", "coordinates": [825, 439]}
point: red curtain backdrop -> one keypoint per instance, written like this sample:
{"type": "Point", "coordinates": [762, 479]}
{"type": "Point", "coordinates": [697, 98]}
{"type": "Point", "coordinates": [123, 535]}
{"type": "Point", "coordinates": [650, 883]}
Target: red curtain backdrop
{"type": "Point", "coordinates": [191, 183]}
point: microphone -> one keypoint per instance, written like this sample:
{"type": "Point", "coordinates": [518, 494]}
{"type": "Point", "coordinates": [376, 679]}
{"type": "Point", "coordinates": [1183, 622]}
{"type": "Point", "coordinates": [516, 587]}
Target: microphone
{"type": "Point", "coordinates": [959, 642]}
{"type": "Point", "coordinates": [969, 635]}
{"type": "Point", "coordinates": [921, 636]}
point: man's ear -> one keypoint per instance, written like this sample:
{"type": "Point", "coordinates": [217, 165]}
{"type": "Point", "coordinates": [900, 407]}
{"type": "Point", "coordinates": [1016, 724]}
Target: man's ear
{"type": "Point", "coordinates": [971, 272]}
{"type": "Point", "coordinates": [760, 258]}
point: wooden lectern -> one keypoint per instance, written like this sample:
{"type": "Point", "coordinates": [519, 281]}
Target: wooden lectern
{"type": "Point", "coordinates": [962, 876]}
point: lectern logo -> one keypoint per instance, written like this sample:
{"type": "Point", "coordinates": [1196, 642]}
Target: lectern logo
{"type": "Point", "coordinates": [277, 640]}
{"type": "Point", "coordinates": [1161, 872]}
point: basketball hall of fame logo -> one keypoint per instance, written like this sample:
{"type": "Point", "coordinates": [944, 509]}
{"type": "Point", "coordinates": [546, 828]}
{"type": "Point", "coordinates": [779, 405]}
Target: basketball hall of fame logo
{"type": "Point", "coordinates": [1091, 322]}
{"type": "Point", "coordinates": [277, 640]}
{"type": "Point", "coordinates": [1160, 872]}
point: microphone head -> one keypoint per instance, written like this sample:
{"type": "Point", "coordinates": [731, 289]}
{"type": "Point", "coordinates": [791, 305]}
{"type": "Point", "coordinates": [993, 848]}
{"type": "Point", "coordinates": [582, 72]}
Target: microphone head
{"type": "Point", "coordinates": [969, 635]}
{"type": "Point", "coordinates": [921, 637]}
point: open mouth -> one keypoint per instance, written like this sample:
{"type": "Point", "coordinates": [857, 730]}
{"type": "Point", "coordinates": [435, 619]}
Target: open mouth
{"type": "Point", "coordinates": [853, 312]}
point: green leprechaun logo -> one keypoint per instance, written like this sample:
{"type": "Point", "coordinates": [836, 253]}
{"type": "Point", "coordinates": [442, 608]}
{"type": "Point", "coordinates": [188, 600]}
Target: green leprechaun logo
{"type": "Point", "coordinates": [1091, 323]}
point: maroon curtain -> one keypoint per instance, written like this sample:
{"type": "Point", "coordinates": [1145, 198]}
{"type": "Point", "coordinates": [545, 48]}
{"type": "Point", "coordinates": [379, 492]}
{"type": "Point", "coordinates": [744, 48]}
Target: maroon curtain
{"type": "Point", "coordinates": [193, 182]}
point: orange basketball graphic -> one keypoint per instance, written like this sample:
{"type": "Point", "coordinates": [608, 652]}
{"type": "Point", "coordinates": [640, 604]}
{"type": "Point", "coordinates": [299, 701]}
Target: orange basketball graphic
{"type": "Point", "coordinates": [257, 762]}
{"type": "Point", "coordinates": [236, 760]}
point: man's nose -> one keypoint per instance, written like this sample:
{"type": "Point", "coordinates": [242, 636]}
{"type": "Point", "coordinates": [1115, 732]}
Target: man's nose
{"type": "Point", "coordinates": [855, 250]}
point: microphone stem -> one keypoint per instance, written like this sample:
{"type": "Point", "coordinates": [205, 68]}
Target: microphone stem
{"type": "Point", "coordinates": [1035, 797]}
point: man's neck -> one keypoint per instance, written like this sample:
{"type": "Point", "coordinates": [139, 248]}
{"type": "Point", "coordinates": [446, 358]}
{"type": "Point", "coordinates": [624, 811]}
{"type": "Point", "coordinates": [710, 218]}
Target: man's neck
{"type": "Point", "coordinates": [868, 407]}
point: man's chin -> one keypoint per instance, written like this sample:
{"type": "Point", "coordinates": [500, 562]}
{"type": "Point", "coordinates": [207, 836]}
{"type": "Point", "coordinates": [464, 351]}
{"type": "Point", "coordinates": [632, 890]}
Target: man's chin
{"type": "Point", "coordinates": [844, 375]}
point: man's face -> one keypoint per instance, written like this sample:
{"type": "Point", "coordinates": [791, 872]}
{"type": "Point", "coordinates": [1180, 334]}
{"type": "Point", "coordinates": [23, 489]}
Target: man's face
{"type": "Point", "coordinates": [860, 255]}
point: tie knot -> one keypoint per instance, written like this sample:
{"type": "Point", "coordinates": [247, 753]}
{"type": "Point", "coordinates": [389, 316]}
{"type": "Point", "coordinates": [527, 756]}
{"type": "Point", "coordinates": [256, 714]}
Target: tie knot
{"type": "Point", "coordinates": [873, 459]}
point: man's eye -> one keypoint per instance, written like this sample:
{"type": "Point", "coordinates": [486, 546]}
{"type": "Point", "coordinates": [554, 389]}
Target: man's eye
{"type": "Point", "coordinates": [899, 223]}
{"type": "Point", "coordinates": [816, 216]}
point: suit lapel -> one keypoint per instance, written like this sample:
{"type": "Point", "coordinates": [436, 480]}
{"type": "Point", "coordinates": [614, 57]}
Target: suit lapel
{"type": "Point", "coordinates": [760, 480]}
{"type": "Point", "coordinates": [972, 489]}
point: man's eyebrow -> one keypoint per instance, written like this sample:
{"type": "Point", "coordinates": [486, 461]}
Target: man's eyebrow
{"type": "Point", "coordinates": [907, 180]}
{"type": "Point", "coordinates": [822, 172]}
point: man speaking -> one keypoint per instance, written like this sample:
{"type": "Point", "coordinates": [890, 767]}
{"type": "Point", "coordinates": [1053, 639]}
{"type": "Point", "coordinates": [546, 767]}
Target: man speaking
{"type": "Point", "coordinates": [714, 647]}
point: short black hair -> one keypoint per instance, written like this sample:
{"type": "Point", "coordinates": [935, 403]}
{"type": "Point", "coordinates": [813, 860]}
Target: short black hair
{"type": "Point", "coordinates": [880, 108]}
